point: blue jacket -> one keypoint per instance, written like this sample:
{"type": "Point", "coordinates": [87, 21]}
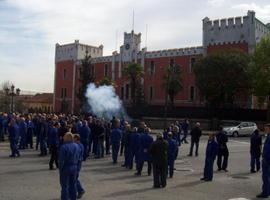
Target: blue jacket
{"type": "Point", "coordinates": [116, 136]}
{"type": "Point", "coordinates": [84, 132]}
{"type": "Point", "coordinates": [53, 138]}
{"type": "Point", "coordinates": [172, 148]}
{"type": "Point", "coordinates": [23, 128]}
{"type": "Point", "coordinates": [14, 132]}
{"type": "Point", "coordinates": [266, 150]}
{"type": "Point", "coordinates": [145, 142]}
{"type": "Point", "coordinates": [81, 150]}
{"type": "Point", "coordinates": [211, 149]}
{"type": "Point", "coordinates": [135, 141]}
{"type": "Point", "coordinates": [69, 157]}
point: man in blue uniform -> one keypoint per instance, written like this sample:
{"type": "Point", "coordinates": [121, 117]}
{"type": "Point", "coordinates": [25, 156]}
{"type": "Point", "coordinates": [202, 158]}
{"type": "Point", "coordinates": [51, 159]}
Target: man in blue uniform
{"type": "Point", "coordinates": [13, 130]}
{"type": "Point", "coordinates": [211, 153]}
{"type": "Point", "coordinates": [80, 189]}
{"type": "Point", "coordinates": [134, 147]}
{"type": "Point", "coordinates": [255, 151]}
{"type": "Point", "coordinates": [223, 151]}
{"type": "Point", "coordinates": [43, 136]}
{"type": "Point", "coordinates": [23, 133]}
{"type": "Point", "coordinates": [53, 141]}
{"type": "Point", "coordinates": [266, 165]}
{"type": "Point", "coordinates": [85, 132]}
{"type": "Point", "coordinates": [68, 167]}
{"type": "Point", "coordinates": [185, 126]}
{"type": "Point", "coordinates": [30, 132]}
{"type": "Point", "coordinates": [116, 135]}
{"type": "Point", "coordinates": [195, 134]}
{"type": "Point", "coordinates": [172, 153]}
{"type": "Point", "coordinates": [145, 142]}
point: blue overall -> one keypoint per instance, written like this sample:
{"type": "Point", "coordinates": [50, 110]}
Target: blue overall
{"type": "Point", "coordinates": [68, 169]}
{"type": "Point", "coordinates": [211, 153]}
{"type": "Point", "coordinates": [81, 154]}
{"type": "Point", "coordinates": [266, 167]}
{"type": "Point", "coordinates": [172, 152]}
{"type": "Point", "coordinates": [13, 139]}
{"type": "Point", "coordinates": [116, 136]}
{"type": "Point", "coordinates": [85, 133]}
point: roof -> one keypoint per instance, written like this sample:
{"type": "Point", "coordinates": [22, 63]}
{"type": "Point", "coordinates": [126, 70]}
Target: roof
{"type": "Point", "coordinates": [39, 98]}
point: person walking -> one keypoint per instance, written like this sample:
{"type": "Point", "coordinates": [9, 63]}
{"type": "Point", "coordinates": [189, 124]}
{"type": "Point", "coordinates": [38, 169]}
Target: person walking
{"type": "Point", "coordinates": [195, 133]}
{"type": "Point", "coordinates": [255, 151]}
{"type": "Point", "coordinates": [223, 152]}
{"type": "Point", "coordinates": [159, 152]}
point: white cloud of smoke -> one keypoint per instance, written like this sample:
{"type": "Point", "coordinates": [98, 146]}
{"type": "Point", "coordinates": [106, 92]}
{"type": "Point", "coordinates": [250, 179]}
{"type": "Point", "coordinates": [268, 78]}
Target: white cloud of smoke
{"type": "Point", "coordinates": [104, 102]}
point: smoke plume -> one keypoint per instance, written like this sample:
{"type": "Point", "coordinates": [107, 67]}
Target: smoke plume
{"type": "Point", "coordinates": [104, 102]}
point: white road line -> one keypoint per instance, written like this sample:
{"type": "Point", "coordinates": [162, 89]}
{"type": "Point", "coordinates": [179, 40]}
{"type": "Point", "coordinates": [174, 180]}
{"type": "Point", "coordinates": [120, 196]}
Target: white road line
{"type": "Point", "coordinates": [239, 199]}
{"type": "Point", "coordinates": [240, 142]}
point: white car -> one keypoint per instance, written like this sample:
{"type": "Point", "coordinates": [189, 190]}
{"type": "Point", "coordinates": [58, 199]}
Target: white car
{"type": "Point", "coordinates": [244, 128]}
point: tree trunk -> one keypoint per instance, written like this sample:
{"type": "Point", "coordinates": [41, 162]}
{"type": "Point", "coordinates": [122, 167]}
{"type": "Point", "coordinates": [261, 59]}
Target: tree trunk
{"type": "Point", "coordinates": [268, 109]}
{"type": "Point", "coordinates": [165, 111]}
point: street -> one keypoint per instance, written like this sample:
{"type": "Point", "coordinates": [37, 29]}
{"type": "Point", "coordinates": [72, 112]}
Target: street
{"type": "Point", "coordinates": [28, 177]}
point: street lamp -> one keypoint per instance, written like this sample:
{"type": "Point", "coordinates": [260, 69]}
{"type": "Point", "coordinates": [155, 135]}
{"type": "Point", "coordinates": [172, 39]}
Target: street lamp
{"type": "Point", "coordinates": [12, 93]}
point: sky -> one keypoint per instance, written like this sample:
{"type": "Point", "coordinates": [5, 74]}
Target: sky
{"type": "Point", "coordinates": [29, 29]}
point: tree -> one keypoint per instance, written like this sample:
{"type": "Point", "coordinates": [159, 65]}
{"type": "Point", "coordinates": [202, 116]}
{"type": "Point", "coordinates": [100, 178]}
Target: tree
{"type": "Point", "coordinates": [86, 77]}
{"type": "Point", "coordinates": [172, 82]}
{"type": "Point", "coordinates": [106, 81]}
{"type": "Point", "coordinates": [134, 72]}
{"type": "Point", "coordinates": [4, 99]}
{"type": "Point", "coordinates": [259, 71]}
{"type": "Point", "coordinates": [221, 76]}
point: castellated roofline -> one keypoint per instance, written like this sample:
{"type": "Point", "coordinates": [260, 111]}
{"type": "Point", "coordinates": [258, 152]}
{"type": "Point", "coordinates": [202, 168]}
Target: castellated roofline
{"type": "Point", "coordinates": [227, 43]}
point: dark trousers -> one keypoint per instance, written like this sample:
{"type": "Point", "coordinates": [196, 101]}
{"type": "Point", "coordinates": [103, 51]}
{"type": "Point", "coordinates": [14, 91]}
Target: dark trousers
{"type": "Point", "coordinates": [78, 184]}
{"type": "Point", "coordinates": [100, 149]}
{"type": "Point", "coordinates": [160, 175]}
{"type": "Point", "coordinates": [133, 154]}
{"type": "Point", "coordinates": [122, 148]}
{"type": "Point", "coordinates": [115, 151]}
{"type": "Point", "coordinates": [171, 166]}
{"type": "Point", "coordinates": [222, 159]}
{"type": "Point", "coordinates": [266, 178]}
{"type": "Point", "coordinates": [43, 146]}
{"type": "Point", "coordinates": [85, 146]}
{"type": "Point", "coordinates": [95, 145]}
{"type": "Point", "coordinates": [140, 167]}
{"type": "Point", "coordinates": [29, 139]}
{"type": "Point", "coordinates": [37, 140]}
{"type": "Point", "coordinates": [208, 168]}
{"type": "Point", "coordinates": [196, 143]}
{"type": "Point", "coordinates": [68, 181]}
{"type": "Point", "coordinates": [14, 147]}
{"type": "Point", "coordinates": [184, 139]}
{"type": "Point", "coordinates": [255, 160]}
{"type": "Point", "coordinates": [54, 156]}
{"type": "Point", "coordinates": [90, 143]}
{"type": "Point", "coordinates": [107, 145]}
{"type": "Point", "coordinates": [22, 144]}
{"type": "Point", "coordinates": [2, 135]}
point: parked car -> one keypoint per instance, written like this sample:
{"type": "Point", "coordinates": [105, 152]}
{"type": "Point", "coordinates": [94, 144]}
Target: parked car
{"type": "Point", "coordinates": [243, 128]}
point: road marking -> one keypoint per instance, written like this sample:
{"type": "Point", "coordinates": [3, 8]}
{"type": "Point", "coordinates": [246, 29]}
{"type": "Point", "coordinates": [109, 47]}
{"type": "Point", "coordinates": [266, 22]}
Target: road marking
{"type": "Point", "coordinates": [240, 142]}
{"type": "Point", "coordinates": [239, 199]}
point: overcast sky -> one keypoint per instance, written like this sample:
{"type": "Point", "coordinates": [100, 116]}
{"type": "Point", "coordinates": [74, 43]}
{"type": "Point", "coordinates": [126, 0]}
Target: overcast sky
{"type": "Point", "coordinates": [29, 29]}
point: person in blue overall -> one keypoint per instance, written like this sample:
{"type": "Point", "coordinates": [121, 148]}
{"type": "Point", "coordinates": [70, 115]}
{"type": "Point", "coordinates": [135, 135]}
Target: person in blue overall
{"type": "Point", "coordinates": [2, 136]}
{"type": "Point", "coordinates": [255, 151]}
{"type": "Point", "coordinates": [145, 142]}
{"type": "Point", "coordinates": [134, 147]}
{"type": "Point", "coordinates": [185, 126]}
{"type": "Point", "coordinates": [13, 130]}
{"type": "Point", "coordinates": [266, 165]}
{"type": "Point", "coordinates": [43, 136]}
{"type": "Point", "coordinates": [116, 136]}
{"type": "Point", "coordinates": [80, 189]}
{"type": "Point", "coordinates": [210, 156]}
{"type": "Point", "coordinates": [53, 141]}
{"type": "Point", "coordinates": [68, 167]}
{"type": "Point", "coordinates": [127, 150]}
{"type": "Point", "coordinates": [84, 133]}
{"type": "Point", "coordinates": [23, 133]}
{"type": "Point", "coordinates": [30, 132]}
{"type": "Point", "coordinates": [172, 153]}
{"type": "Point", "coordinates": [223, 152]}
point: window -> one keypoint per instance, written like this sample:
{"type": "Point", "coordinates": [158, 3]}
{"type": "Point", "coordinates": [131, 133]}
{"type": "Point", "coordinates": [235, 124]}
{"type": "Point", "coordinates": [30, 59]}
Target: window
{"type": "Point", "coordinates": [192, 63]}
{"type": "Point", "coordinates": [192, 93]}
{"type": "Point", "coordinates": [152, 67]}
{"type": "Point", "coordinates": [63, 92]}
{"type": "Point", "coordinates": [172, 62]}
{"type": "Point", "coordinates": [151, 93]}
{"type": "Point", "coordinates": [122, 92]}
{"type": "Point", "coordinates": [127, 91]}
{"type": "Point", "coordinates": [106, 70]}
{"type": "Point", "coordinates": [64, 74]}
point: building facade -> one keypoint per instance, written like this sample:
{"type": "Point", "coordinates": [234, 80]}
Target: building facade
{"type": "Point", "coordinates": [240, 32]}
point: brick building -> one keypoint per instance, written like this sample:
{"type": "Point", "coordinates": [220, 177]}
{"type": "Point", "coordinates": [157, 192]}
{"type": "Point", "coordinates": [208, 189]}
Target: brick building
{"type": "Point", "coordinates": [240, 32]}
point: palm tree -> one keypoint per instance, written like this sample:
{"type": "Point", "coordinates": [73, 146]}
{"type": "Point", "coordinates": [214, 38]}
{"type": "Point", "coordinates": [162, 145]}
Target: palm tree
{"type": "Point", "coordinates": [172, 83]}
{"type": "Point", "coordinates": [134, 72]}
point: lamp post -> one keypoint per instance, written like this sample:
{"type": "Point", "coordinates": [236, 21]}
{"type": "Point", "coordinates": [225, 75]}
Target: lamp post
{"type": "Point", "coordinates": [12, 93]}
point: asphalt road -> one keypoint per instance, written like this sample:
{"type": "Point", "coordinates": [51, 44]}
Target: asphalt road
{"type": "Point", "coordinates": [28, 178]}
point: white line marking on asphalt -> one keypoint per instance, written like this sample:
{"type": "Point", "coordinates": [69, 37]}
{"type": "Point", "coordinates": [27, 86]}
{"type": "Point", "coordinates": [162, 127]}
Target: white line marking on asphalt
{"type": "Point", "coordinates": [238, 199]}
{"type": "Point", "coordinates": [239, 142]}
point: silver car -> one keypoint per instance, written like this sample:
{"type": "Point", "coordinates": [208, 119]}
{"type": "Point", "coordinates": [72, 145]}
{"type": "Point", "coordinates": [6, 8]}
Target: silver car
{"type": "Point", "coordinates": [244, 128]}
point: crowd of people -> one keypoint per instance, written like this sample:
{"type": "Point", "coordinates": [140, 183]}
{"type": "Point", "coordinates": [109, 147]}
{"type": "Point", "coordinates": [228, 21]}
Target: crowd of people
{"type": "Point", "coordinates": [70, 140]}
